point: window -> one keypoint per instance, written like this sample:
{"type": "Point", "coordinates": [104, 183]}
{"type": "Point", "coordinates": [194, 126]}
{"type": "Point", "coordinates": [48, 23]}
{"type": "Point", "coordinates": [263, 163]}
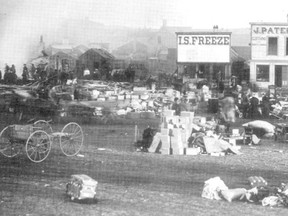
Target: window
{"type": "Point", "coordinates": [272, 46]}
{"type": "Point", "coordinates": [262, 73]}
{"type": "Point", "coordinates": [286, 46]}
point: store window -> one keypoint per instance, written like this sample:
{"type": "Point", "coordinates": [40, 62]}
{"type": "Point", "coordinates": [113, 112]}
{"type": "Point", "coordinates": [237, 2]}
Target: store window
{"type": "Point", "coordinates": [286, 45]}
{"type": "Point", "coordinates": [262, 73]}
{"type": "Point", "coordinates": [272, 46]}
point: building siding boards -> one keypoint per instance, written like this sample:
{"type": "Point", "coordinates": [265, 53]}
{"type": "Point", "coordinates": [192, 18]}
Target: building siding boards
{"type": "Point", "coordinates": [55, 61]}
{"type": "Point", "coordinates": [92, 59]}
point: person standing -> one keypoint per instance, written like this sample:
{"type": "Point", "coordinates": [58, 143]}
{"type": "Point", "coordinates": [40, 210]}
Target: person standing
{"type": "Point", "coordinates": [32, 71]}
{"type": "Point", "coordinates": [25, 74]}
{"type": "Point", "coordinates": [254, 107]}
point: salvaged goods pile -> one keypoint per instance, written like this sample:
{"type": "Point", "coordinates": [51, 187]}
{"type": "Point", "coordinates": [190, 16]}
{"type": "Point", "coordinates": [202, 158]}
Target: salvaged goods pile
{"type": "Point", "coordinates": [259, 191]}
{"type": "Point", "coordinates": [186, 134]}
{"type": "Point", "coordinates": [94, 97]}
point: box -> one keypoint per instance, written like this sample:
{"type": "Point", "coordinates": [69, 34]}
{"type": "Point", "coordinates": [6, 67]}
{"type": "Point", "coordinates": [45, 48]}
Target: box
{"type": "Point", "coordinates": [109, 93]}
{"type": "Point", "coordinates": [165, 151]}
{"type": "Point", "coordinates": [120, 97]}
{"type": "Point", "coordinates": [235, 132]}
{"type": "Point", "coordinates": [135, 96]}
{"type": "Point", "coordinates": [164, 131]}
{"type": "Point", "coordinates": [112, 98]}
{"type": "Point", "coordinates": [176, 141]}
{"type": "Point", "coordinates": [168, 112]}
{"type": "Point", "coordinates": [139, 89]}
{"type": "Point", "coordinates": [192, 151]}
{"type": "Point", "coordinates": [101, 99]}
{"type": "Point", "coordinates": [81, 187]}
{"type": "Point", "coordinates": [171, 119]}
{"type": "Point", "coordinates": [165, 141]}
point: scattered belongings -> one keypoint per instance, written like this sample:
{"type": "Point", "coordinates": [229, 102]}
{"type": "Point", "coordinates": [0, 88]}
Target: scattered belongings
{"type": "Point", "coordinates": [81, 187]}
{"type": "Point", "coordinates": [257, 181]}
{"type": "Point", "coordinates": [273, 196]}
{"type": "Point", "coordinates": [281, 132]}
{"type": "Point", "coordinates": [213, 187]}
{"type": "Point", "coordinates": [261, 128]}
{"type": "Point", "coordinates": [186, 134]}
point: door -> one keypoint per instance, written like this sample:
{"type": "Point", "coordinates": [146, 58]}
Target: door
{"type": "Point", "coordinates": [285, 76]}
{"type": "Point", "coordinates": [278, 75]}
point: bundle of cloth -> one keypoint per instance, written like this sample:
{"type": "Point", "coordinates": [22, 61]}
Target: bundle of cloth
{"type": "Point", "coordinates": [211, 144]}
{"type": "Point", "coordinates": [261, 128]}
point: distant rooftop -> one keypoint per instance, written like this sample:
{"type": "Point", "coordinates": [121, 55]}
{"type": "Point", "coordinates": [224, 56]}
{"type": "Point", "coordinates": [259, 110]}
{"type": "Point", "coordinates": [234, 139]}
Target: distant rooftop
{"type": "Point", "coordinates": [270, 23]}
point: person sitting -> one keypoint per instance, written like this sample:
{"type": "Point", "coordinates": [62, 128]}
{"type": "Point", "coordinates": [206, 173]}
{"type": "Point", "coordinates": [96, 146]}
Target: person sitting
{"type": "Point", "coordinates": [176, 106]}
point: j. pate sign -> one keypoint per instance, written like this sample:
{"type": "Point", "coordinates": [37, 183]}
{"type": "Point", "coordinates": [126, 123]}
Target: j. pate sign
{"type": "Point", "coordinates": [201, 47]}
{"type": "Point", "coordinates": [259, 33]}
{"type": "Point", "coordinates": [270, 30]}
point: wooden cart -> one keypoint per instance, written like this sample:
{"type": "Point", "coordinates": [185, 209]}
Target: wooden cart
{"type": "Point", "coordinates": [38, 138]}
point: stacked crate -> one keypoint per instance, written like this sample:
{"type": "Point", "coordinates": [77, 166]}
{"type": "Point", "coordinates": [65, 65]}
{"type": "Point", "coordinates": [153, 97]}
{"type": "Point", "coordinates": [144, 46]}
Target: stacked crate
{"type": "Point", "coordinates": [175, 131]}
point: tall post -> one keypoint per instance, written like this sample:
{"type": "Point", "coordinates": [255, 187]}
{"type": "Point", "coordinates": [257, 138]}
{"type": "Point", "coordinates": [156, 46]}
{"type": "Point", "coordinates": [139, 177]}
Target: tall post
{"type": "Point", "coordinates": [210, 76]}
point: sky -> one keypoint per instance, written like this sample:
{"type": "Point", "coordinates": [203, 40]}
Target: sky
{"type": "Point", "coordinates": [21, 21]}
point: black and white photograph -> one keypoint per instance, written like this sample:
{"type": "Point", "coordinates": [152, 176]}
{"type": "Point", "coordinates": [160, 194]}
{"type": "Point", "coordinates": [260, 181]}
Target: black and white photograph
{"type": "Point", "coordinates": [143, 108]}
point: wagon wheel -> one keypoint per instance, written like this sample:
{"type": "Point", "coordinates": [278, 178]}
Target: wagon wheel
{"type": "Point", "coordinates": [8, 147]}
{"type": "Point", "coordinates": [38, 146]}
{"type": "Point", "coordinates": [43, 125]}
{"type": "Point", "coordinates": [71, 139]}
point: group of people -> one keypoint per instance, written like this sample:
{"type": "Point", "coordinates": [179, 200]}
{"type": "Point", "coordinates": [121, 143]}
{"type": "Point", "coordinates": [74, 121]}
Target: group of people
{"type": "Point", "coordinates": [116, 75]}
{"type": "Point", "coordinates": [33, 73]}
{"type": "Point", "coordinates": [252, 105]}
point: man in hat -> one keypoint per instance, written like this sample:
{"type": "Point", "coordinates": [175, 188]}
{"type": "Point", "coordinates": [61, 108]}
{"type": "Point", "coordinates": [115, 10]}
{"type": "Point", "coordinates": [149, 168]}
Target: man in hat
{"type": "Point", "coordinates": [254, 106]}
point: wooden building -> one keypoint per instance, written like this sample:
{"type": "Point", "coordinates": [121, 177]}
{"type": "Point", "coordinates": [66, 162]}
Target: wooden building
{"type": "Point", "coordinates": [93, 59]}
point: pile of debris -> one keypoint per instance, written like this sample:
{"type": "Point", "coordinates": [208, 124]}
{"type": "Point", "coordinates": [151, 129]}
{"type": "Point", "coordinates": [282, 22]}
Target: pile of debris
{"type": "Point", "coordinates": [259, 192]}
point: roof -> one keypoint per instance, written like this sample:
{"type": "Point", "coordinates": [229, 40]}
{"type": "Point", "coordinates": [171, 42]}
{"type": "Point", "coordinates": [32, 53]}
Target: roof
{"type": "Point", "coordinates": [243, 52]}
{"type": "Point", "coordinates": [61, 53]}
{"type": "Point", "coordinates": [62, 46]}
{"type": "Point", "coordinates": [204, 32]}
{"type": "Point", "coordinates": [131, 47]}
{"type": "Point", "coordinates": [81, 48]}
{"type": "Point", "coordinates": [105, 54]}
{"type": "Point", "coordinates": [270, 23]}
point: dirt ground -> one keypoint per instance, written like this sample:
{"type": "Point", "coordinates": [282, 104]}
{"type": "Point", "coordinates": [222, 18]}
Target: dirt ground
{"type": "Point", "coordinates": [135, 183]}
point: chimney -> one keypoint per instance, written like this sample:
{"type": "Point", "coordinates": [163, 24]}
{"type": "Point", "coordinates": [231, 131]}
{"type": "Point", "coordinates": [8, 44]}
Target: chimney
{"type": "Point", "coordinates": [215, 27]}
{"type": "Point", "coordinates": [287, 17]}
{"type": "Point", "coordinates": [41, 39]}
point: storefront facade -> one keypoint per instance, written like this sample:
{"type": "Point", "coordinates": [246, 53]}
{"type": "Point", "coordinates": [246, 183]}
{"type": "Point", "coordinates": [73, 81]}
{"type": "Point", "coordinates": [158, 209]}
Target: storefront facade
{"type": "Point", "coordinates": [269, 54]}
{"type": "Point", "coordinates": [204, 54]}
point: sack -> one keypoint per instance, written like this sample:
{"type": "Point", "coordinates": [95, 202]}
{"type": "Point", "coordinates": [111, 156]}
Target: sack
{"type": "Point", "coordinates": [233, 194]}
{"type": "Point", "coordinates": [213, 187]}
{"type": "Point", "coordinates": [265, 126]}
